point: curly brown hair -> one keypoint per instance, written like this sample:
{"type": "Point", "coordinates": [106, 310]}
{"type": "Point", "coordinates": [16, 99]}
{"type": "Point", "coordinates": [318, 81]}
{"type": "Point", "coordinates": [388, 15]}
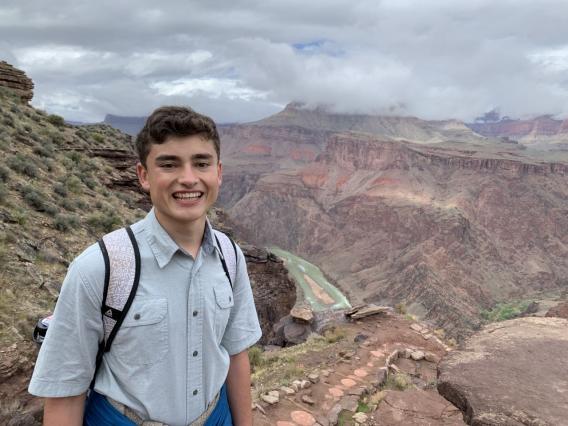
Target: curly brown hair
{"type": "Point", "coordinates": [175, 121]}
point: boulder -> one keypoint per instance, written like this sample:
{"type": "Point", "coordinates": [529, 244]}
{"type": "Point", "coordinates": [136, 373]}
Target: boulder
{"type": "Point", "coordinates": [367, 310]}
{"type": "Point", "coordinates": [302, 314]}
{"type": "Point", "coordinates": [510, 373]}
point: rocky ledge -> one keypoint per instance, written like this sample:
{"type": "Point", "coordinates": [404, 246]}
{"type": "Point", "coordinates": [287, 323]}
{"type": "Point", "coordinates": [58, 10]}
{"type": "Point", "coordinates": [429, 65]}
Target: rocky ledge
{"type": "Point", "coordinates": [17, 81]}
{"type": "Point", "coordinates": [510, 373]}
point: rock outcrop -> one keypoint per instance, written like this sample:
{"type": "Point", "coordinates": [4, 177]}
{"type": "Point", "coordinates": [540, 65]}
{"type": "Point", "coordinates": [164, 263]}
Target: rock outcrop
{"type": "Point", "coordinates": [17, 81]}
{"type": "Point", "coordinates": [559, 311]}
{"type": "Point", "coordinates": [511, 373]}
{"type": "Point", "coordinates": [274, 291]}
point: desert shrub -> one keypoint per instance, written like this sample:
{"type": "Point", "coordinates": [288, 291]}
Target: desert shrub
{"type": "Point", "coordinates": [400, 308]}
{"type": "Point", "coordinates": [80, 204]}
{"type": "Point", "coordinates": [399, 381]}
{"type": "Point", "coordinates": [60, 189]}
{"type": "Point", "coordinates": [75, 156]}
{"type": "Point", "coordinates": [8, 121]}
{"type": "Point", "coordinates": [98, 137]}
{"type": "Point", "coordinates": [504, 311]}
{"type": "Point", "coordinates": [4, 174]}
{"type": "Point", "coordinates": [34, 199]}
{"type": "Point", "coordinates": [27, 128]}
{"type": "Point", "coordinates": [20, 216]}
{"type": "Point", "coordinates": [23, 165]}
{"type": "Point", "coordinates": [87, 179]}
{"type": "Point", "coordinates": [3, 192]}
{"type": "Point", "coordinates": [56, 120]}
{"type": "Point", "coordinates": [105, 222]}
{"type": "Point", "coordinates": [15, 109]}
{"type": "Point", "coordinates": [255, 357]}
{"type": "Point", "coordinates": [68, 204]}
{"type": "Point", "coordinates": [73, 184]}
{"type": "Point", "coordinates": [64, 222]}
{"type": "Point", "coordinates": [45, 150]}
{"type": "Point", "coordinates": [334, 334]}
{"type": "Point", "coordinates": [57, 138]}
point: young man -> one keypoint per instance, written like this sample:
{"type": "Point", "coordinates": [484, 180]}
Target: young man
{"type": "Point", "coordinates": [181, 351]}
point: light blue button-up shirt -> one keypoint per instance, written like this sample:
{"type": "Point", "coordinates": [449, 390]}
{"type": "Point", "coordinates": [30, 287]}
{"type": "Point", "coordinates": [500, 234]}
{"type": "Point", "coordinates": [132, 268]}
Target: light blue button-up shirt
{"type": "Point", "coordinates": [171, 355]}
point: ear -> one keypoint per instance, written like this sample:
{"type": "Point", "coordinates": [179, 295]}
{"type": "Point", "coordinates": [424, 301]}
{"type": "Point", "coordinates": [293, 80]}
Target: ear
{"type": "Point", "coordinates": [220, 172]}
{"type": "Point", "coordinates": [142, 174]}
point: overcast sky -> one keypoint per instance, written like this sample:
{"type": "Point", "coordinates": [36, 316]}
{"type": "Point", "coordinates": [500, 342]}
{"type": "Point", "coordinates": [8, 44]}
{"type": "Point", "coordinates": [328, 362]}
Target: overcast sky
{"type": "Point", "coordinates": [243, 60]}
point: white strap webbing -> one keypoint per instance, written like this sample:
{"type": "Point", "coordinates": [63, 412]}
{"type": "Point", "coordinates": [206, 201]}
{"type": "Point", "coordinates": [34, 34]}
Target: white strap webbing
{"type": "Point", "coordinates": [122, 271]}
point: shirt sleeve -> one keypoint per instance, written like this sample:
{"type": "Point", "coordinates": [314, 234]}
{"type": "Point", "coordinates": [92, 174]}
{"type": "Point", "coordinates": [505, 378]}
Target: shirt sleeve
{"type": "Point", "coordinates": [243, 329]}
{"type": "Point", "coordinates": [66, 361]}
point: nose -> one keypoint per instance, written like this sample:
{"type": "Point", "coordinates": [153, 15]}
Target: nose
{"type": "Point", "coordinates": [187, 176]}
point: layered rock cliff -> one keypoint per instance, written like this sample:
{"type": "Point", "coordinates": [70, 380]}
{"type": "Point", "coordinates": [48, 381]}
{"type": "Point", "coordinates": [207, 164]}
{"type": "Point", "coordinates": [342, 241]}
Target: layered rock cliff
{"type": "Point", "coordinates": [17, 81]}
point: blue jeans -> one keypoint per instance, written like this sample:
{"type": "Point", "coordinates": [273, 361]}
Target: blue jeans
{"type": "Point", "coordinates": [99, 412]}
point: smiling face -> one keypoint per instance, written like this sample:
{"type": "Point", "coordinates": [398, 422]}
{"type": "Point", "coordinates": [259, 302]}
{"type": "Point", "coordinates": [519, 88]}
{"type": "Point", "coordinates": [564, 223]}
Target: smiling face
{"type": "Point", "coordinates": [183, 176]}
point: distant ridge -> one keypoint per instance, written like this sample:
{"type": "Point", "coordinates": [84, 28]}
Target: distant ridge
{"type": "Point", "coordinates": [129, 125]}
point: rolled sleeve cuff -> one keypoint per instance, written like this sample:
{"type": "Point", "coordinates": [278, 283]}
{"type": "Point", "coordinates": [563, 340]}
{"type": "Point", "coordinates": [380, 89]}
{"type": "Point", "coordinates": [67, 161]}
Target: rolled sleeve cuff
{"type": "Point", "coordinates": [237, 346]}
{"type": "Point", "coordinates": [49, 389]}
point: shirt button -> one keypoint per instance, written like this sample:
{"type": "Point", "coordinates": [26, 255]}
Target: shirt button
{"type": "Point", "coordinates": [136, 316]}
{"type": "Point", "coordinates": [195, 392]}
{"type": "Point", "coordinates": [194, 313]}
{"type": "Point", "coordinates": [194, 353]}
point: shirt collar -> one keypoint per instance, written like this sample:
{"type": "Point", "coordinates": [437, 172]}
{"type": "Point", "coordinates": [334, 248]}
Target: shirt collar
{"type": "Point", "coordinates": [164, 247]}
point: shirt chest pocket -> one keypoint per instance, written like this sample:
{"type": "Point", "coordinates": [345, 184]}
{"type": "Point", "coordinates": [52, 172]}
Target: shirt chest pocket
{"type": "Point", "coordinates": [143, 337]}
{"type": "Point", "coordinates": [223, 304]}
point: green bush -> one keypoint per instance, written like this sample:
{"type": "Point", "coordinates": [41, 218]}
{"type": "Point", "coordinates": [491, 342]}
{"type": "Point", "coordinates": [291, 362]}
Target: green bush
{"type": "Point", "coordinates": [8, 121]}
{"type": "Point", "coordinates": [56, 120]}
{"type": "Point", "coordinates": [34, 199]}
{"type": "Point", "coordinates": [4, 174]}
{"type": "Point", "coordinates": [23, 165]}
{"type": "Point", "coordinates": [60, 189]}
{"type": "Point", "coordinates": [68, 205]}
{"type": "Point", "coordinates": [504, 311]}
{"type": "Point", "coordinates": [63, 222]}
{"type": "Point", "coordinates": [44, 150]}
{"type": "Point", "coordinates": [73, 184]}
{"type": "Point", "coordinates": [3, 192]}
{"type": "Point", "coordinates": [255, 357]}
{"type": "Point", "coordinates": [105, 222]}
{"type": "Point", "coordinates": [98, 137]}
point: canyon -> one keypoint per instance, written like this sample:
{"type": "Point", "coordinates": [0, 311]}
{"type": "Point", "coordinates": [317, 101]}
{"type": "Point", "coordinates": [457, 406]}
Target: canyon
{"type": "Point", "coordinates": [446, 228]}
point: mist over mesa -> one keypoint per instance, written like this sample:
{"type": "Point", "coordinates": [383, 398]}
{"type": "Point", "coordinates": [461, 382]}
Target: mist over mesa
{"type": "Point", "coordinates": [242, 61]}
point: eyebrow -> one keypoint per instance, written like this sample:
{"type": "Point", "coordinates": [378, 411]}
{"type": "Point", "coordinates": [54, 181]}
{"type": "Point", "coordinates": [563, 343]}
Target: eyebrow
{"type": "Point", "coordinates": [201, 156]}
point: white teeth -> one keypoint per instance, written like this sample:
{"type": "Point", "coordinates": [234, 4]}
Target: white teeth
{"type": "Point", "coordinates": [187, 195]}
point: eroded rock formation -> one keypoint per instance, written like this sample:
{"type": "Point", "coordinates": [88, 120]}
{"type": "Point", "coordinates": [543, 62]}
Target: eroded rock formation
{"type": "Point", "coordinates": [511, 373]}
{"type": "Point", "coordinates": [17, 81]}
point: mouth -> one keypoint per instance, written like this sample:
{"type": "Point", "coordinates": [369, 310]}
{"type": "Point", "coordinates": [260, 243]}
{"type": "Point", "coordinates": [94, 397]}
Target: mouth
{"type": "Point", "coordinates": [188, 196]}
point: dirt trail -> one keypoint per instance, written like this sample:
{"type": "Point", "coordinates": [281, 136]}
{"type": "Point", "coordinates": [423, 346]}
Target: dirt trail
{"type": "Point", "coordinates": [342, 381]}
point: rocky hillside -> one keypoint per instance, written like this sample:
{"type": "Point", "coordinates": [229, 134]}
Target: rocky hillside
{"type": "Point", "coordinates": [448, 230]}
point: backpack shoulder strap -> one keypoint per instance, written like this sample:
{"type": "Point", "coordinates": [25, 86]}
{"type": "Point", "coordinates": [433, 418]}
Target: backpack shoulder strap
{"type": "Point", "coordinates": [122, 274]}
{"type": "Point", "coordinates": [228, 255]}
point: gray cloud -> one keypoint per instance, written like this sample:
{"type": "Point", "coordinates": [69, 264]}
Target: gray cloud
{"type": "Point", "coordinates": [242, 60]}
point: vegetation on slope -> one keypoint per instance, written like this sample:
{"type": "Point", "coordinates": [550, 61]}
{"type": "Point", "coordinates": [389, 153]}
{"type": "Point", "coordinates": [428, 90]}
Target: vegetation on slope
{"type": "Point", "coordinates": [53, 202]}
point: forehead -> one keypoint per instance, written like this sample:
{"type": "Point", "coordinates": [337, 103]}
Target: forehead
{"type": "Point", "coordinates": [184, 146]}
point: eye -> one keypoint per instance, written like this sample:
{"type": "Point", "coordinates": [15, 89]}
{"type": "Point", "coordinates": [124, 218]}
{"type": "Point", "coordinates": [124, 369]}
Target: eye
{"type": "Point", "coordinates": [202, 164]}
{"type": "Point", "coordinates": [167, 165]}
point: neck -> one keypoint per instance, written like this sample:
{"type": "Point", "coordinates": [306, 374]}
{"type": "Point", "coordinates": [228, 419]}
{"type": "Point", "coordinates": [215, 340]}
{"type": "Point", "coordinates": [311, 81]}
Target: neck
{"type": "Point", "coordinates": [187, 235]}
